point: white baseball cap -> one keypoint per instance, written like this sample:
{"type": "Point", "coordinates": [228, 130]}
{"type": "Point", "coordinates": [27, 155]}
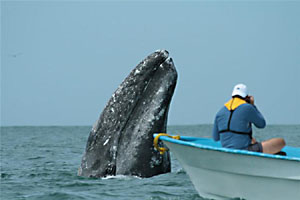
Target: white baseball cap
{"type": "Point", "coordinates": [241, 90]}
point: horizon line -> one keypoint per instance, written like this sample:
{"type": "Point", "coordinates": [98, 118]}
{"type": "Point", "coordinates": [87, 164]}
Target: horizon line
{"type": "Point", "coordinates": [7, 126]}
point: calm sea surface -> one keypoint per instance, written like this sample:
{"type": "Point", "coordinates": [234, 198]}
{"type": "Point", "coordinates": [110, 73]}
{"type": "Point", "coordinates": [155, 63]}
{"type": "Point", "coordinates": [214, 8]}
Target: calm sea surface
{"type": "Point", "coordinates": [42, 162]}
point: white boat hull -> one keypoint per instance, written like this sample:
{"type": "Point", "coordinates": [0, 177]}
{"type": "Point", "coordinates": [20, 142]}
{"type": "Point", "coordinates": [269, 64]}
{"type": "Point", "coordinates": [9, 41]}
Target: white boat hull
{"type": "Point", "coordinates": [222, 175]}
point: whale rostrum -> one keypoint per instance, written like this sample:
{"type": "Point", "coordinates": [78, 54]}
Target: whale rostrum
{"type": "Point", "coordinates": [121, 141]}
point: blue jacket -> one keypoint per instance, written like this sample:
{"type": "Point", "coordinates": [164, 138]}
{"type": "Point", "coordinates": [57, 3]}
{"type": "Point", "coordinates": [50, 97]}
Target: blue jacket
{"type": "Point", "coordinates": [242, 118]}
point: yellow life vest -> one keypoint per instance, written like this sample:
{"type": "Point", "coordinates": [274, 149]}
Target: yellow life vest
{"type": "Point", "coordinates": [233, 103]}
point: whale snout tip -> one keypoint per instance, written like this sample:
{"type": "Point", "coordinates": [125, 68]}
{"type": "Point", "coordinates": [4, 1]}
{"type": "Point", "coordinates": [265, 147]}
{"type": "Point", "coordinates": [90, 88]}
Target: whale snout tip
{"type": "Point", "coordinates": [165, 52]}
{"type": "Point", "coordinates": [170, 60]}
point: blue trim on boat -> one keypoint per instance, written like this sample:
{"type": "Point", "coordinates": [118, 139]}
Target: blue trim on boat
{"type": "Point", "coordinates": [293, 153]}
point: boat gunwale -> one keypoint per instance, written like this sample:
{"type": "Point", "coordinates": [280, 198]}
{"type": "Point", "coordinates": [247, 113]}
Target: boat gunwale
{"type": "Point", "coordinates": [184, 141]}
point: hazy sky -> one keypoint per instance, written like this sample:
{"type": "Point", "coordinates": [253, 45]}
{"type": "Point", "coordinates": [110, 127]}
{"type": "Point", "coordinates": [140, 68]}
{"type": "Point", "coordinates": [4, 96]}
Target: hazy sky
{"type": "Point", "coordinates": [61, 61]}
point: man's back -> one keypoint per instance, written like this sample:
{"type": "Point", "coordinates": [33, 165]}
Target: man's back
{"type": "Point", "coordinates": [234, 128]}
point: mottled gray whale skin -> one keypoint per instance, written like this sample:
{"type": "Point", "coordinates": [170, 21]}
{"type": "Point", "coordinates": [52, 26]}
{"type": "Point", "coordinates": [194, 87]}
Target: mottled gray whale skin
{"type": "Point", "coordinates": [121, 141]}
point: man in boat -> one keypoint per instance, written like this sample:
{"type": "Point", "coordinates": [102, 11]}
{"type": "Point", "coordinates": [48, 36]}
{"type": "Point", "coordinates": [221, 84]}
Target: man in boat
{"type": "Point", "coordinates": [233, 123]}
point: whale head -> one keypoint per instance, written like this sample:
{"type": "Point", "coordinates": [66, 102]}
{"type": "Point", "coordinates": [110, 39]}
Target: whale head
{"type": "Point", "coordinates": [121, 141]}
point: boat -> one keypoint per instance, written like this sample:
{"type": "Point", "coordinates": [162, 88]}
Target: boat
{"type": "Point", "coordinates": [223, 173]}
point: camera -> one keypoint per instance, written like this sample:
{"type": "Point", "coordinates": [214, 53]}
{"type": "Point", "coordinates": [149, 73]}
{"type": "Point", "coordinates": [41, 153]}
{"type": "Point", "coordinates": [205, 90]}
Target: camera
{"type": "Point", "coordinates": [247, 99]}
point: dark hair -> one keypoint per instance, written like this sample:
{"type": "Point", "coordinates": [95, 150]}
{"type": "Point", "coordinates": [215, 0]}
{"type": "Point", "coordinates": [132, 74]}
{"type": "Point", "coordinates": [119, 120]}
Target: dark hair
{"type": "Point", "coordinates": [238, 96]}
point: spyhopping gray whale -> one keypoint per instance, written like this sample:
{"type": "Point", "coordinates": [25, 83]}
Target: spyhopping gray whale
{"type": "Point", "coordinates": [121, 141]}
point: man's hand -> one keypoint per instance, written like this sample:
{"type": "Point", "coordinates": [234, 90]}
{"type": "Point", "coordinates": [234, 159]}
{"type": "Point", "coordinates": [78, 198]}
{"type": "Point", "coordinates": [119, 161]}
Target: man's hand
{"type": "Point", "coordinates": [253, 141]}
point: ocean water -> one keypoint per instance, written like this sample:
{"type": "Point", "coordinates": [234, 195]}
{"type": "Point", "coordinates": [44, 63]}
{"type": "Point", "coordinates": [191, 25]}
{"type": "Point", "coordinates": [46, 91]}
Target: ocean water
{"type": "Point", "coordinates": [42, 163]}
